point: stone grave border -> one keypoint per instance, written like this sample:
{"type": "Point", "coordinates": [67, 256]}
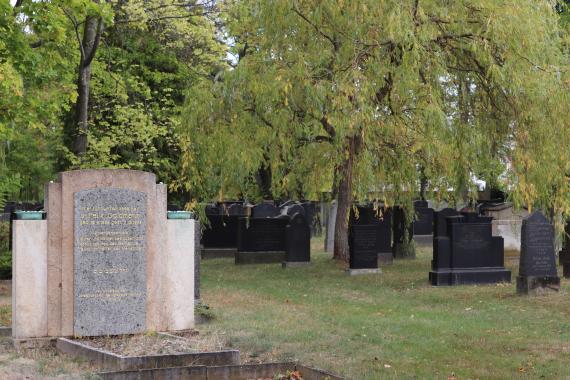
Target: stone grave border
{"type": "Point", "coordinates": [225, 372]}
{"type": "Point", "coordinates": [109, 361]}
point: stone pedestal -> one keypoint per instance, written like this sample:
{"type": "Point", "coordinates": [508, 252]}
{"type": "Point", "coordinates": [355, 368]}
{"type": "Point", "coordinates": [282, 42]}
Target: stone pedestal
{"type": "Point", "coordinates": [29, 279]}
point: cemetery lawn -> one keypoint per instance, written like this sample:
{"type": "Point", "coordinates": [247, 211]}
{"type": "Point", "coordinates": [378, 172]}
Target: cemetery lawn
{"type": "Point", "coordinates": [392, 325]}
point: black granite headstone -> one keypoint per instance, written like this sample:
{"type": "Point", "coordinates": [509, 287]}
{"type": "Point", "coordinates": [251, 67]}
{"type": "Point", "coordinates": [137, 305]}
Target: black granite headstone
{"type": "Point", "coordinates": [537, 266]}
{"type": "Point", "coordinates": [293, 209]}
{"type": "Point", "coordinates": [298, 240]}
{"type": "Point", "coordinates": [468, 254]}
{"type": "Point", "coordinates": [261, 240]}
{"type": "Point", "coordinates": [423, 218]}
{"type": "Point", "coordinates": [363, 246]}
{"type": "Point", "coordinates": [439, 222]}
{"type": "Point", "coordinates": [264, 210]}
{"type": "Point", "coordinates": [382, 220]}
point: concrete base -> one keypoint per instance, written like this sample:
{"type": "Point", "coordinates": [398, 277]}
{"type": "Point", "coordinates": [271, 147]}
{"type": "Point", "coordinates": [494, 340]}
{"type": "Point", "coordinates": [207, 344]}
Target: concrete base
{"type": "Point", "coordinates": [423, 240]}
{"type": "Point", "coordinates": [110, 361]}
{"type": "Point", "coordinates": [227, 372]}
{"type": "Point", "coordinates": [262, 257]}
{"type": "Point", "coordinates": [469, 276]}
{"type": "Point", "coordinates": [295, 264]}
{"type": "Point", "coordinates": [216, 253]}
{"type": "Point", "coordinates": [356, 272]}
{"type": "Point", "coordinates": [537, 285]}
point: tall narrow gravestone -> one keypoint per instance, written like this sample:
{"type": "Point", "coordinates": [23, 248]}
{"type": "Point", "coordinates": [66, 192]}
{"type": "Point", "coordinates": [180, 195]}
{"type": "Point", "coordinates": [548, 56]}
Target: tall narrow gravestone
{"type": "Point", "coordinates": [537, 267]}
{"type": "Point", "coordinates": [297, 242]}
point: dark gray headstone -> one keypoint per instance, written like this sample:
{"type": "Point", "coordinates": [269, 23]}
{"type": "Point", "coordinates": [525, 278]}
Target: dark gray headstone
{"type": "Point", "coordinates": [298, 239]}
{"type": "Point", "coordinates": [264, 210]}
{"type": "Point", "coordinates": [363, 246]}
{"type": "Point", "coordinates": [468, 254]}
{"type": "Point", "coordinates": [110, 262]}
{"type": "Point", "coordinates": [293, 209]}
{"type": "Point", "coordinates": [537, 266]}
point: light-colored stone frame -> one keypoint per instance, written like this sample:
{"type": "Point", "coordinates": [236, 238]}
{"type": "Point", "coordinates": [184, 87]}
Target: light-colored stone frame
{"type": "Point", "coordinates": [60, 223]}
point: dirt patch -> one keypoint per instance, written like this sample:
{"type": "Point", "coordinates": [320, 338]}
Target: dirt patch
{"type": "Point", "coordinates": [190, 341]}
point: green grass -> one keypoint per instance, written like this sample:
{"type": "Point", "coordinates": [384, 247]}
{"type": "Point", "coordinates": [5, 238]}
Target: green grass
{"type": "Point", "coordinates": [392, 325]}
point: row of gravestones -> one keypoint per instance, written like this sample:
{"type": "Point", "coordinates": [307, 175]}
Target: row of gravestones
{"type": "Point", "coordinates": [263, 233]}
{"type": "Point", "coordinates": [464, 250]}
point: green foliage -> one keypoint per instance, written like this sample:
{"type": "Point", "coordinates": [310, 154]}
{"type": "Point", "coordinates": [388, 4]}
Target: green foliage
{"type": "Point", "coordinates": [460, 89]}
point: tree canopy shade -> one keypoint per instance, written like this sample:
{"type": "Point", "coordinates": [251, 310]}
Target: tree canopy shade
{"type": "Point", "coordinates": [365, 97]}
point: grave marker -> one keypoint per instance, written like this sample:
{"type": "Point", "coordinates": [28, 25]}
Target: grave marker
{"type": "Point", "coordinates": [537, 266]}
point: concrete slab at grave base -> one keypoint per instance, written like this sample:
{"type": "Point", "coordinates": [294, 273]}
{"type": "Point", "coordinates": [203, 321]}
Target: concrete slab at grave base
{"type": "Point", "coordinates": [216, 253]}
{"type": "Point", "coordinates": [537, 285]}
{"type": "Point", "coordinates": [356, 272]}
{"type": "Point", "coordinates": [295, 264]}
{"type": "Point", "coordinates": [112, 362]}
{"type": "Point", "coordinates": [228, 372]}
{"type": "Point", "coordinates": [260, 257]}
{"type": "Point", "coordinates": [469, 276]}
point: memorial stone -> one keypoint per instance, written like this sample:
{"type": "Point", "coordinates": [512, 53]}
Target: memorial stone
{"type": "Point", "coordinates": [220, 235]}
{"type": "Point", "coordinates": [440, 223]}
{"type": "Point", "coordinates": [382, 220]}
{"type": "Point", "coordinates": [363, 249]}
{"type": "Point", "coordinates": [469, 254]}
{"type": "Point", "coordinates": [264, 210]}
{"type": "Point", "coordinates": [110, 241]}
{"type": "Point", "coordinates": [298, 241]}
{"type": "Point", "coordinates": [261, 240]}
{"type": "Point", "coordinates": [106, 261]}
{"type": "Point", "coordinates": [537, 267]}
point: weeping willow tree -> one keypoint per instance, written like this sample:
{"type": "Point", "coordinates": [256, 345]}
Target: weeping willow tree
{"type": "Point", "coordinates": [368, 98]}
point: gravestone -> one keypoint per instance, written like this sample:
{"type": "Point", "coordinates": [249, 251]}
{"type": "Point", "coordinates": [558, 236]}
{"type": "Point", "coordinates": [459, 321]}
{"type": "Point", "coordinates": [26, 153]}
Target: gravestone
{"type": "Point", "coordinates": [293, 209]}
{"type": "Point", "coordinates": [264, 210]}
{"type": "Point", "coordinates": [507, 223]}
{"type": "Point", "coordinates": [440, 223]}
{"type": "Point", "coordinates": [105, 261]}
{"type": "Point", "coordinates": [311, 217]}
{"type": "Point", "coordinates": [363, 249]}
{"type": "Point", "coordinates": [382, 220]}
{"type": "Point", "coordinates": [219, 238]}
{"type": "Point", "coordinates": [331, 223]}
{"type": "Point", "coordinates": [402, 235]}
{"type": "Point", "coordinates": [423, 223]}
{"type": "Point", "coordinates": [469, 254]}
{"type": "Point", "coordinates": [261, 240]}
{"type": "Point", "coordinates": [537, 267]}
{"type": "Point", "coordinates": [298, 242]}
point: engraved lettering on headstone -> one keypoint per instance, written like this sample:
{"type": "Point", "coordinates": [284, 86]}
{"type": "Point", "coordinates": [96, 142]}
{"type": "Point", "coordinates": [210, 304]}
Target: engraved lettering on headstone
{"type": "Point", "coordinates": [110, 262]}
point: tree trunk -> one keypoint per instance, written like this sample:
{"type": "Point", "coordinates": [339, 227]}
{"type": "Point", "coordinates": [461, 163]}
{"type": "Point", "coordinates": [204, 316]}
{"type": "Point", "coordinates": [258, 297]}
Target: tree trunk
{"type": "Point", "coordinates": [344, 201]}
{"type": "Point", "coordinates": [263, 179]}
{"type": "Point", "coordinates": [92, 30]}
{"type": "Point", "coordinates": [82, 110]}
